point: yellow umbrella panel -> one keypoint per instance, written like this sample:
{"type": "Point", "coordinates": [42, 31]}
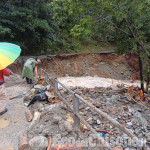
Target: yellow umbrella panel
{"type": "Point", "coordinates": [8, 54]}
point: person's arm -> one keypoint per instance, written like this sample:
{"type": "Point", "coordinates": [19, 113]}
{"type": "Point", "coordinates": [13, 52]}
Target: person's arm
{"type": "Point", "coordinates": [36, 71]}
{"type": "Point", "coordinates": [6, 72]}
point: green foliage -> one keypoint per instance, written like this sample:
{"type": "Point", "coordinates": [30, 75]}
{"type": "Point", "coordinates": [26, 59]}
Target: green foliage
{"type": "Point", "coordinates": [63, 25]}
{"type": "Point", "coordinates": [83, 31]}
{"type": "Point", "coordinates": [27, 23]}
{"type": "Point", "coordinates": [131, 23]}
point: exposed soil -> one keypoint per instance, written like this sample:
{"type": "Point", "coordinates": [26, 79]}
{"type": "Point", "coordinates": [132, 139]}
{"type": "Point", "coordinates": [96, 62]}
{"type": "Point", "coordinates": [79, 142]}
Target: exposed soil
{"type": "Point", "coordinates": [102, 65]}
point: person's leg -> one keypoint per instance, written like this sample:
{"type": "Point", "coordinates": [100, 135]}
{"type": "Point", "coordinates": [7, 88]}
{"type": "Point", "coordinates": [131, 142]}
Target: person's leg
{"type": "Point", "coordinates": [30, 81]}
{"type": "Point", "coordinates": [3, 99]}
{"type": "Point", "coordinates": [27, 80]}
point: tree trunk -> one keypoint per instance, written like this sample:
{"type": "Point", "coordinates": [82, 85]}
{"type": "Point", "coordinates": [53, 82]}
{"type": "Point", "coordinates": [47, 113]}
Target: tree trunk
{"type": "Point", "coordinates": [147, 82]}
{"type": "Point", "coordinates": [140, 67]}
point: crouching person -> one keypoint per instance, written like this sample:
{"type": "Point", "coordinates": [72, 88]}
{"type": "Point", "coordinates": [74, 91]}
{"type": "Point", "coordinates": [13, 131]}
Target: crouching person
{"type": "Point", "coordinates": [30, 68]}
{"type": "Point", "coordinates": [3, 97]}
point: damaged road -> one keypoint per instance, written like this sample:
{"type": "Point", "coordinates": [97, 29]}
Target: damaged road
{"type": "Point", "coordinates": [56, 121]}
{"type": "Point", "coordinates": [13, 122]}
{"type": "Point", "coordinates": [112, 100]}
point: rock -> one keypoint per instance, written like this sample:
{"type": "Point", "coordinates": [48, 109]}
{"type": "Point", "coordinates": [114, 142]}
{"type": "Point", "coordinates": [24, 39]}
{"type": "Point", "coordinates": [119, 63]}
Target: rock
{"type": "Point", "coordinates": [94, 118]}
{"type": "Point", "coordinates": [148, 138]}
{"type": "Point", "coordinates": [56, 119]}
{"type": "Point", "coordinates": [94, 113]}
{"type": "Point", "coordinates": [96, 88]}
{"type": "Point", "coordinates": [32, 91]}
{"type": "Point", "coordinates": [67, 75]}
{"type": "Point", "coordinates": [129, 123]}
{"type": "Point", "coordinates": [147, 134]}
{"type": "Point", "coordinates": [40, 107]}
{"type": "Point", "coordinates": [127, 148]}
{"type": "Point", "coordinates": [28, 115]}
{"type": "Point", "coordinates": [27, 98]}
{"type": "Point", "coordinates": [115, 97]}
{"type": "Point", "coordinates": [140, 135]}
{"type": "Point", "coordinates": [117, 148]}
{"type": "Point", "coordinates": [68, 126]}
{"type": "Point", "coordinates": [94, 96]}
{"type": "Point", "coordinates": [137, 131]}
{"type": "Point", "coordinates": [79, 87]}
{"type": "Point", "coordinates": [73, 88]}
{"type": "Point", "coordinates": [62, 126]}
{"type": "Point", "coordinates": [114, 87]}
{"type": "Point", "coordinates": [38, 143]}
{"type": "Point", "coordinates": [125, 137]}
{"type": "Point", "coordinates": [111, 127]}
{"type": "Point", "coordinates": [37, 86]}
{"type": "Point", "coordinates": [64, 133]}
{"type": "Point", "coordinates": [98, 122]}
{"type": "Point", "coordinates": [78, 92]}
{"type": "Point", "coordinates": [115, 116]}
{"type": "Point", "coordinates": [106, 111]}
{"type": "Point", "coordinates": [137, 98]}
{"type": "Point", "coordinates": [148, 127]}
{"type": "Point", "coordinates": [87, 108]}
{"type": "Point", "coordinates": [113, 100]}
{"type": "Point", "coordinates": [82, 107]}
{"type": "Point", "coordinates": [45, 132]}
{"type": "Point", "coordinates": [102, 63]}
{"type": "Point", "coordinates": [138, 117]}
{"type": "Point", "coordinates": [65, 90]}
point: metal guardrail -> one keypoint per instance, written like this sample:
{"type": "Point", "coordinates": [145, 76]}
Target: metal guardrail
{"type": "Point", "coordinates": [75, 108]}
{"type": "Point", "coordinates": [78, 117]}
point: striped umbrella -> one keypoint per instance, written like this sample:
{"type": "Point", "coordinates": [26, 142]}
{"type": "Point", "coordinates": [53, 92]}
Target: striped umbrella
{"type": "Point", "coordinates": [8, 54]}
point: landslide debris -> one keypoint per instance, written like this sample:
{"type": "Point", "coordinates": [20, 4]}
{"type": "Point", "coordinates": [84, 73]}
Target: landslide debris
{"type": "Point", "coordinates": [56, 120]}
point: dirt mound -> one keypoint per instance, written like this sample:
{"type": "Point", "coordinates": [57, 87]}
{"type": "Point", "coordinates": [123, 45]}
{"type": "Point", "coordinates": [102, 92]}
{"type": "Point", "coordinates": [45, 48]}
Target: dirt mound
{"type": "Point", "coordinates": [54, 121]}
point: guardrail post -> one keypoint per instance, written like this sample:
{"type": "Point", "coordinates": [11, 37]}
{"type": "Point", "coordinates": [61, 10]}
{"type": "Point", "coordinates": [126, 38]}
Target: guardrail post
{"type": "Point", "coordinates": [46, 77]}
{"type": "Point", "coordinates": [40, 72]}
{"type": "Point", "coordinates": [55, 86]}
{"type": "Point", "coordinates": [76, 110]}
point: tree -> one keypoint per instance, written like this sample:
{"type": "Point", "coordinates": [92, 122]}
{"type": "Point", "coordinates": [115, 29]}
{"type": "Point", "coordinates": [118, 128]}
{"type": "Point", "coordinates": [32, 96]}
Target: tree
{"type": "Point", "coordinates": [130, 20]}
{"type": "Point", "coordinates": [27, 23]}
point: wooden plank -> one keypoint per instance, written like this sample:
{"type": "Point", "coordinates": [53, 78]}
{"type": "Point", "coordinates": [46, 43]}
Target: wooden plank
{"type": "Point", "coordinates": [23, 141]}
